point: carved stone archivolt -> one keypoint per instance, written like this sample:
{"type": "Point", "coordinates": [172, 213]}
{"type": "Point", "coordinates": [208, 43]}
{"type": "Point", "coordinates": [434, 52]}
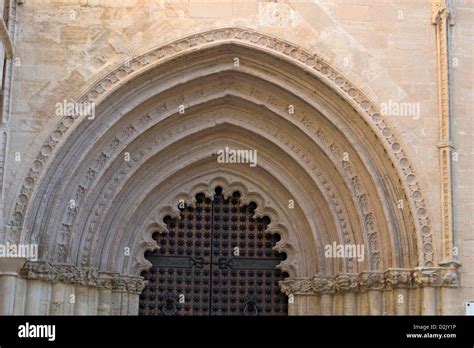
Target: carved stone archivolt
{"type": "Point", "coordinates": [336, 199]}
{"type": "Point", "coordinates": [372, 281]}
{"type": "Point", "coordinates": [326, 186]}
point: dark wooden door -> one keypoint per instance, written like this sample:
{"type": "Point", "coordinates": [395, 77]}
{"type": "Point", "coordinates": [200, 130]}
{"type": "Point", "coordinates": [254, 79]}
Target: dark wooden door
{"type": "Point", "coordinates": [216, 259]}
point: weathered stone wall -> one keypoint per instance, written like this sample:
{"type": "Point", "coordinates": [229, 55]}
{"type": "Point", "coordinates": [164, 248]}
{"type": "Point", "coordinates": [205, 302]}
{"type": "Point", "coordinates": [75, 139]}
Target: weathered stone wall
{"type": "Point", "coordinates": [385, 47]}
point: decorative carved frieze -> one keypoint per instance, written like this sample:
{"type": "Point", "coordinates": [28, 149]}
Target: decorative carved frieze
{"type": "Point", "coordinates": [47, 271]}
{"type": "Point", "coordinates": [398, 278]}
{"type": "Point", "coordinates": [347, 282]}
{"type": "Point", "coordinates": [297, 286]}
{"type": "Point", "coordinates": [372, 281]}
{"type": "Point", "coordinates": [323, 285]}
{"type": "Point", "coordinates": [436, 277]}
{"type": "Point", "coordinates": [87, 276]}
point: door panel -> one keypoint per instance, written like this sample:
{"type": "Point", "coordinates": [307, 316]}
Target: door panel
{"type": "Point", "coordinates": [215, 260]}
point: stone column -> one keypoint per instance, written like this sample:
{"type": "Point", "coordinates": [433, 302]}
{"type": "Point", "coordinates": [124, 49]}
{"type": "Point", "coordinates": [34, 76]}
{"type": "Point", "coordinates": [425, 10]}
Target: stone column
{"type": "Point", "coordinates": [375, 302]}
{"type": "Point", "coordinates": [38, 296]}
{"type": "Point", "coordinates": [116, 302]}
{"type": "Point", "coordinates": [9, 269]}
{"type": "Point", "coordinates": [429, 303]}
{"type": "Point", "coordinates": [326, 286]}
{"type": "Point", "coordinates": [388, 302]}
{"type": "Point", "coordinates": [373, 283]}
{"type": "Point", "coordinates": [350, 303]}
{"type": "Point", "coordinates": [296, 303]}
{"type": "Point", "coordinates": [298, 291]}
{"type": "Point", "coordinates": [326, 303]}
{"type": "Point", "coordinates": [80, 305]}
{"type": "Point", "coordinates": [400, 301]}
{"type": "Point", "coordinates": [105, 301]}
{"type": "Point", "coordinates": [362, 303]}
{"type": "Point", "coordinates": [428, 279]}
{"type": "Point", "coordinates": [133, 303]}
{"type": "Point", "coordinates": [93, 301]}
{"type": "Point", "coordinates": [414, 304]}
{"type": "Point", "coordinates": [347, 285]}
{"type": "Point", "coordinates": [398, 280]}
{"type": "Point", "coordinates": [70, 299]}
{"type": "Point", "coordinates": [20, 296]}
{"type": "Point", "coordinates": [303, 304]}
{"type": "Point", "coordinates": [58, 297]}
{"type": "Point", "coordinates": [338, 301]}
{"type": "Point", "coordinates": [312, 304]}
{"type": "Point", "coordinates": [124, 303]}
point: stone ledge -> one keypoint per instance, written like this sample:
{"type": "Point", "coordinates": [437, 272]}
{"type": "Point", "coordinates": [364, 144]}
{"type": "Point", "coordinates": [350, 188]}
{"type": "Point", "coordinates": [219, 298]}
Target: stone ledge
{"type": "Point", "coordinates": [393, 278]}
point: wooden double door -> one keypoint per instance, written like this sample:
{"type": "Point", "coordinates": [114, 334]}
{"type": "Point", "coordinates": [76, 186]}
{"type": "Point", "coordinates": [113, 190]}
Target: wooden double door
{"type": "Point", "coordinates": [216, 259]}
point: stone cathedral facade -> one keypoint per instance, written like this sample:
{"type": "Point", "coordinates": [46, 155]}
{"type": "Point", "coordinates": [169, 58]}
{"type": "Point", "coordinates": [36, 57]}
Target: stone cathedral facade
{"type": "Point", "coordinates": [240, 157]}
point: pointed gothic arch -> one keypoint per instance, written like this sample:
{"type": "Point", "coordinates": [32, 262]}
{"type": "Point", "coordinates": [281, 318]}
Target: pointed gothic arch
{"type": "Point", "coordinates": [321, 142]}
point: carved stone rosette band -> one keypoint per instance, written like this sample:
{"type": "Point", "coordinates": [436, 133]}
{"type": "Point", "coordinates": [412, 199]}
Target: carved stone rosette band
{"type": "Point", "coordinates": [87, 276]}
{"type": "Point", "coordinates": [368, 281]}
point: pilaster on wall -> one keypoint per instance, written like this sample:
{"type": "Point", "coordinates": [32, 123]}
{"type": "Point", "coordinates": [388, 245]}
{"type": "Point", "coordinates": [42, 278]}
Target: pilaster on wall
{"type": "Point", "coordinates": [442, 16]}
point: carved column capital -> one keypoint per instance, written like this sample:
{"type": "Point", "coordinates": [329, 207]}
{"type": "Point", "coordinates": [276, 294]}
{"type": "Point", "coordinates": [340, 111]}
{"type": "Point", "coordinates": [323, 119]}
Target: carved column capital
{"type": "Point", "coordinates": [47, 271]}
{"type": "Point", "coordinates": [436, 277]}
{"type": "Point", "coordinates": [117, 282]}
{"type": "Point", "coordinates": [397, 278]}
{"type": "Point", "coordinates": [135, 284]}
{"type": "Point", "coordinates": [11, 265]}
{"type": "Point", "coordinates": [324, 285]}
{"type": "Point", "coordinates": [372, 281]}
{"type": "Point", "coordinates": [348, 282]}
{"type": "Point", "coordinates": [296, 286]}
{"type": "Point", "coordinates": [105, 280]}
{"type": "Point", "coordinates": [427, 277]}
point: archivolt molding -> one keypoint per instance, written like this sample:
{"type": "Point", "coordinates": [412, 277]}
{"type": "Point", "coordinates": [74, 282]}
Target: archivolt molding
{"type": "Point", "coordinates": [335, 152]}
{"type": "Point", "coordinates": [204, 176]}
{"type": "Point", "coordinates": [132, 129]}
{"type": "Point", "coordinates": [115, 183]}
{"type": "Point", "coordinates": [308, 61]}
{"type": "Point", "coordinates": [331, 195]}
{"type": "Point", "coordinates": [265, 207]}
{"type": "Point", "coordinates": [391, 279]}
{"type": "Point", "coordinates": [282, 140]}
{"type": "Point", "coordinates": [354, 184]}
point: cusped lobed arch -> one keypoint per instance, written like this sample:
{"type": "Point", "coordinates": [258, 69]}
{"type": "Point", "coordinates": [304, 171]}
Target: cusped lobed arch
{"type": "Point", "coordinates": [313, 116]}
